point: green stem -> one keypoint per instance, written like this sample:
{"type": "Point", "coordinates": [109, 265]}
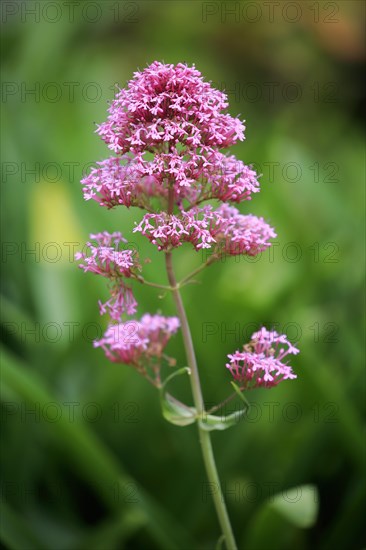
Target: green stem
{"type": "Point", "coordinates": [223, 403]}
{"type": "Point", "coordinates": [154, 285]}
{"type": "Point", "coordinates": [203, 266]}
{"type": "Point", "coordinates": [204, 436]}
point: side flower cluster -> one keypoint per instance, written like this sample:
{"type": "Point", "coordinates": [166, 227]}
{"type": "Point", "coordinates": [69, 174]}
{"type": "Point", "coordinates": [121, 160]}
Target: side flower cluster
{"type": "Point", "coordinates": [260, 364]}
{"type": "Point", "coordinates": [119, 181]}
{"type": "Point", "coordinates": [140, 343]}
{"type": "Point", "coordinates": [224, 230]}
{"type": "Point", "coordinates": [103, 257]}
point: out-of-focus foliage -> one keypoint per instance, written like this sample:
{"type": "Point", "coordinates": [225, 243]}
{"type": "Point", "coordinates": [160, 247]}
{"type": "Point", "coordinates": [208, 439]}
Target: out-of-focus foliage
{"type": "Point", "coordinates": [88, 460]}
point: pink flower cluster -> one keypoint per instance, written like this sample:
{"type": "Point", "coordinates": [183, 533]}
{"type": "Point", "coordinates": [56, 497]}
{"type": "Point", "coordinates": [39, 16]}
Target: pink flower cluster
{"type": "Point", "coordinates": [121, 301]}
{"type": "Point", "coordinates": [169, 105]}
{"type": "Point", "coordinates": [236, 233]}
{"type": "Point", "coordinates": [135, 181]}
{"type": "Point", "coordinates": [139, 343]}
{"type": "Point", "coordinates": [119, 181]}
{"type": "Point", "coordinates": [224, 230]}
{"type": "Point", "coordinates": [168, 231]}
{"type": "Point", "coordinates": [260, 364]}
{"type": "Point", "coordinates": [170, 112]}
{"type": "Point", "coordinates": [227, 179]}
{"type": "Point", "coordinates": [104, 258]}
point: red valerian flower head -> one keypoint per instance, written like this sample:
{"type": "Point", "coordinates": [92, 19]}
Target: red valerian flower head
{"type": "Point", "coordinates": [169, 104]}
{"type": "Point", "coordinates": [166, 128]}
{"type": "Point", "coordinates": [140, 343]}
{"type": "Point", "coordinates": [260, 364]}
{"type": "Point", "coordinates": [224, 230]}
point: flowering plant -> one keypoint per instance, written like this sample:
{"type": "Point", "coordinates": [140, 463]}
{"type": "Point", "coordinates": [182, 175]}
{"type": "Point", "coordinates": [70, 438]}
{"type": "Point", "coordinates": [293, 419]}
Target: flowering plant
{"type": "Point", "coordinates": [166, 130]}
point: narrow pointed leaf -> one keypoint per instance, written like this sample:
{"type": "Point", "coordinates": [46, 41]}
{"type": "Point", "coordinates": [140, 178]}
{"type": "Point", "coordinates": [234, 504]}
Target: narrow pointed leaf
{"type": "Point", "coordinates": [212, 422]}
{"type": "Point", "coordinates": [177, 413]}
{"type": "Point", "coordinates": [174, 411]}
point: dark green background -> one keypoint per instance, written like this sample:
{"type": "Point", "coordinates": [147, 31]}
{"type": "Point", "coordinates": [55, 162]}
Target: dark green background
{"type": "Point", "coordinates": [126, 478]}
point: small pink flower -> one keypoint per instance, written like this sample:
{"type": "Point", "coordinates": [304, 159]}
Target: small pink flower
{"type": "Point", "coordinates": [260, 363]}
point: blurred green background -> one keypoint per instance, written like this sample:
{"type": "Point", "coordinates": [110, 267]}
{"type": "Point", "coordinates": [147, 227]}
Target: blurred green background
{"type": "Point", "coordinates": [88, 461]}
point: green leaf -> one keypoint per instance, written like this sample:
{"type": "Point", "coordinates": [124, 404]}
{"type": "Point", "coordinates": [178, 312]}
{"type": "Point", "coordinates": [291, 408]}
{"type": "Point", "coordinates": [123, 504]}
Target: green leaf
{"type": "Point", "coordinates": [298, 505]}
{"type": "Point", "coordinates": [174, 411]}
{"type": "Point", "coordinates": [212, 422]}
